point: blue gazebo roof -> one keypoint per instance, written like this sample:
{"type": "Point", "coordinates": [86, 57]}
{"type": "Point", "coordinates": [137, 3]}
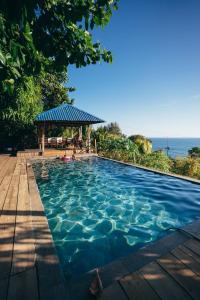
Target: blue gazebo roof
{"type": "Point", "coordinates": [67, 114]}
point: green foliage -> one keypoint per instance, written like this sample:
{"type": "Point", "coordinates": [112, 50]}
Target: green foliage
{"type": "Point", "coordinates": [144, 144]}
{"type": "Point", "coordinates": [32, 95]}
{"type": "Point", "coordinates": [120, 149]}
{"type": "Point", "coordinates": [137, 149]}
{"type": "Point", "coordinates": [194, 152]}
{"type": "Point", "coordinates": [53, 90]}
{"type": "Point", "coordinates": [28, 103]}
{"type": "Point", "coordinates": [187, 166]}
{"type": "Point", "coordinates": [108, 132]}
{"type": "Point", "coordinates": [113, 129]}
{"type": "Point", "coordinates": [18, 114]}
{"type": "Point", "coordinates": [156, 160]}
{"type": "Point", "coordinates": [38, 40]}
{"type": "Point", "coordinates": [49, 35]}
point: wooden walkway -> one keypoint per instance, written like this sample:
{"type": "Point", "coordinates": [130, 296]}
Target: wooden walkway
{"type": "Point", "coordinates": [29, 267]}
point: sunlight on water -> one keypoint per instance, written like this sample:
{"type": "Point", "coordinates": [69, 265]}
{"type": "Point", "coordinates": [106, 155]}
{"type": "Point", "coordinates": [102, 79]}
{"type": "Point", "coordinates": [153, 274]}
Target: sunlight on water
{"type": "Point", "coordinates": [99, 210]}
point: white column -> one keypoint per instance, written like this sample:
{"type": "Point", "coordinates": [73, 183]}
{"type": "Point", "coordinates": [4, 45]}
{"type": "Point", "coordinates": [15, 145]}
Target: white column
{"type": "Point", "coordinates": [95, 145]}
{"type": "Point", "coordinates": [88, 138]}
{"type": "Point", "coordinates": [80, 133]}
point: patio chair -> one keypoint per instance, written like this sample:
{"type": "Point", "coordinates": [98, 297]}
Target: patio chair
{"type": "Point", "coordinates": [53, 142]}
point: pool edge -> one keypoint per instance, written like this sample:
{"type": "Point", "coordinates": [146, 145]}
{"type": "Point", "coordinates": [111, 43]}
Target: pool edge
{"type": "Point", "coordinates": [186, 178]}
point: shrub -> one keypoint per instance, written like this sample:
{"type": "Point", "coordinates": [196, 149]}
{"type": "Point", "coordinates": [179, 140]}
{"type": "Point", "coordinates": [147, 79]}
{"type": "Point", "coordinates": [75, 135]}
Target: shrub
{"type": "Point", "coordinates": [156, 160]}
{"type": "Point", "coordinates": [119, 149]}
{"type": "Point", "coordinates": [144, 144]}
{"type": "Point", "coordinates": [187, 167]}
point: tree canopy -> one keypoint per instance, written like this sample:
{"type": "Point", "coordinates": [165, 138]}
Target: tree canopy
{"type": "Point", "coordinates": [49, 35]}
{"type": "Point", "coordinates": [38, 40]}
{"type": "Point", "coordinates": [144, 144]}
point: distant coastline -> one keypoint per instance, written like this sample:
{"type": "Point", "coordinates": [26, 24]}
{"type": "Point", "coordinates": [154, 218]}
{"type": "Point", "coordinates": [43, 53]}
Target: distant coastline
{"type": "Point", "coordinates": [177, 146]}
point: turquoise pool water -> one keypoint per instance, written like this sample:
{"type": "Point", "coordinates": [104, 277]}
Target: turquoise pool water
{"type": "Point", "coordinates": [99, 210]}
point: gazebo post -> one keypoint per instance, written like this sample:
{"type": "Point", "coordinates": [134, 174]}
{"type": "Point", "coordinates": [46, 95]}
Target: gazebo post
{"type": "Point", "coordinates": [39, 137]}
{"type": "Point", "coordinates": [88, 138]}
{"type": "Point", "coordinates": [80, 133]}
{"type": "Point", "coordinates": [43, 137]}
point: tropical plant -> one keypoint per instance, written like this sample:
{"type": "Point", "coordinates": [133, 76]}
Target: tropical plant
{"type": "Point", "coordinates": [53, 89]}
{"type": "Point", "coordinates": [38, 40]}
{"type": "Point", "coordinates": [121, 149]}
{"type": "Point", "coordinates": [113, 129]}
{"type": "Point", "coordinates": [49, 35]}
{"type": "Point", "coordinates": [17, 128]}
{"type": "Point", "coordinates": [144, 144]}
{"type": "Point", "coordinates": [108, 132]}
{"type": "Point", "coordinates": [187, 166]}
{"type": "Point", "coordinates": [156, 160]}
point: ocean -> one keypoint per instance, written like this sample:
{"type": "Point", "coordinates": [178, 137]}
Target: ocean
{"type": "Point", "coordinates": [177, 146]}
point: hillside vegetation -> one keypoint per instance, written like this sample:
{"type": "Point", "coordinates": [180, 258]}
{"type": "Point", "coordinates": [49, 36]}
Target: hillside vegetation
{"type": "Point", "coordinates": [137, 149]}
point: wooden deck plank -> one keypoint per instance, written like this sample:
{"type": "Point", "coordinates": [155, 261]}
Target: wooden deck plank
{"type": "Point", "coordinates": [187, 260]}
{"type": "Point", "coordinates": [193, 245]}
{"type": "Point", "coordinates": [163, 284]}
{"type": "Point", "coordinates": [23, 286]}
{"type": "Point", "coordinates": [182, 274]}
{"type": "Point", "coordinates": [137, 288]}
{"type": "Point", "coordinates": [3, 190]}
{"type": "Point", "coordinates": [24, 242]}
{"type": "Point", "coordinates": [3, 160]}
{"type": "Point", "coordinates": [113, 292]}
{"type": "Point", "coordinates": [7, 226]}
{"type": "Point", "coordinates": [190, 252]}
{"type": "Point", "coordinates": [9, 167]}
{"type": "Point", "coordinates": [5, 166]}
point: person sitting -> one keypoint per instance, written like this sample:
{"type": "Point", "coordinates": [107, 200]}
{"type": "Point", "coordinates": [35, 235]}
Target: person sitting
{"type": "Point", "coordinates": [66, 158]}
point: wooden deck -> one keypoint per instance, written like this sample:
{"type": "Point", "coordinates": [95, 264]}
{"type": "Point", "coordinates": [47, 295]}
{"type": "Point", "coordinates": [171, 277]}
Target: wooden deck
{"type": "Point", "coordinates": [175, 275]}
{"type": "Point", "coordinates": [29, 267]}
{"type": "Point", "coordinates": [51, 152]}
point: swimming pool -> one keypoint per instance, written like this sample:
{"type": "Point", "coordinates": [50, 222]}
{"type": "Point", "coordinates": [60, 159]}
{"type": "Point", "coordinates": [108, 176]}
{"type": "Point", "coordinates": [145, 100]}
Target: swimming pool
{"type": "Point", "coordinates": [99, 210]}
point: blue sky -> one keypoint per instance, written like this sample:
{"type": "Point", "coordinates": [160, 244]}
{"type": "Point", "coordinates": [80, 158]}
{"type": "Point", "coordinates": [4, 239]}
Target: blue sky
{"type": "Point", "coordinates": [153, 85]}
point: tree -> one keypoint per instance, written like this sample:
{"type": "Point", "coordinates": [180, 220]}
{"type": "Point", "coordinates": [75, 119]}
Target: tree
{"type": "Point", "coordinates": [54, 92]}
{"type": "Point", "coordinates": [144, 144]}
{"type": "Point", "coordinates": [17, 127]}
{"type": "Point", "coordinates": [119, 148]}
{"type": "Point", "coordinates": [38, 40]}
{"type": "Point", "coordinates": [110, 131]}
{"type": "Point", "coordinates": [32, 96]}
{"type": "Point", "coordinates": [194, 152]}
{"type": "Point", "coordinates": [113, 129]}
{"type": "Point", "coordinates": [38, 35]}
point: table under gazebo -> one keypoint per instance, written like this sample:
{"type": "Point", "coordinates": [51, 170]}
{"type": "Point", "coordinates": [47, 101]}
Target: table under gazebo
{"type": "Point", "coordinates": [67, 116]}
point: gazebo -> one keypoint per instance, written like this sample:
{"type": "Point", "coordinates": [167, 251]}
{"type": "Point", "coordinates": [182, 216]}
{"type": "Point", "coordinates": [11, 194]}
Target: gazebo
{"type": "Point", "coordinates": [65, 115]}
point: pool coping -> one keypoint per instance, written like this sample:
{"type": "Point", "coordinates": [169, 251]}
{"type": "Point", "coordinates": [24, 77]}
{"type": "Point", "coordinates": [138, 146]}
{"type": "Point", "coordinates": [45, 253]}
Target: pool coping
{"type": "Point", "coordinates": [186, 178]}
